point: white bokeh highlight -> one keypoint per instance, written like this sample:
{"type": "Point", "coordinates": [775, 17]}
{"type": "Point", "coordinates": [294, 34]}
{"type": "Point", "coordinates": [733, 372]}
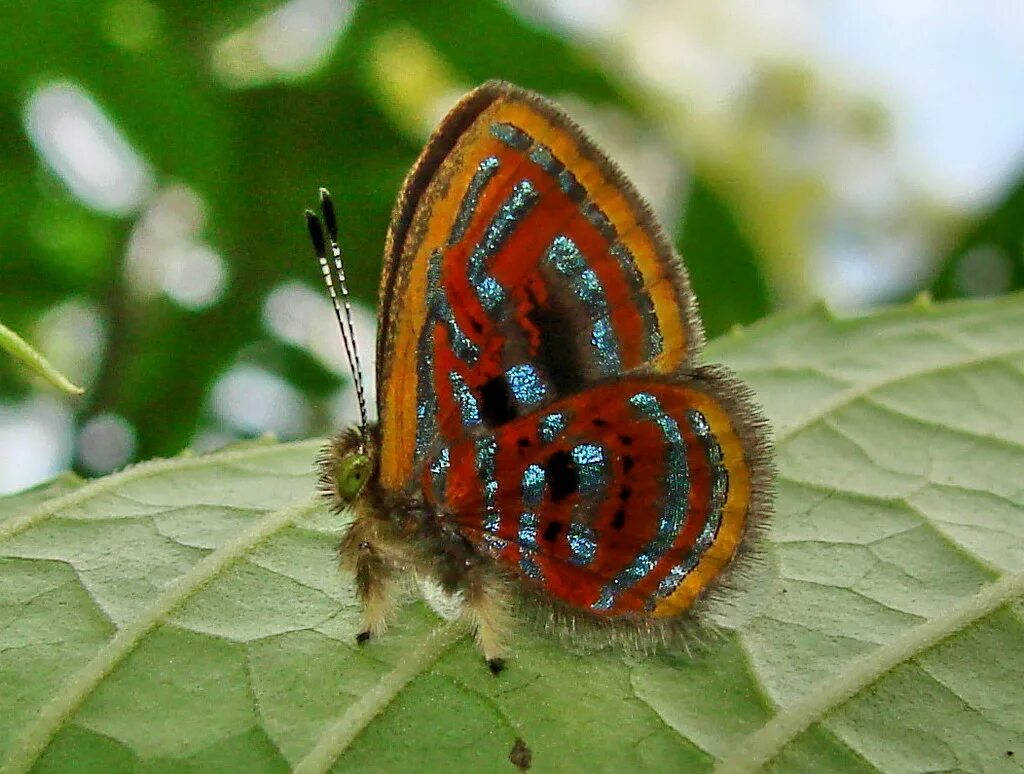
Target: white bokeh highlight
{"type": "Point", "coordinates": [303, 317]}
{"type": "Point", "coordinates": [36, 440]}
{"type": "Point", "coordinates": [106, 442]}
{"type": "Point", "coordinates": [83, 147]}
{"type": "Point", "coordinates": [288, 42]}
{"type": "Point", "coordinates": [73, 334]}
{"type": "Point", "coordinates": [167, 255]}
{"type": "Point", "coordinates": [252, 401]}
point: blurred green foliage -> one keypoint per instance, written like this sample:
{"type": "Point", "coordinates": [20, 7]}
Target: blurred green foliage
{"type": "Point", "coordinates": [989, 258]}
{"type": "Point", "coordinates": [255, 155]}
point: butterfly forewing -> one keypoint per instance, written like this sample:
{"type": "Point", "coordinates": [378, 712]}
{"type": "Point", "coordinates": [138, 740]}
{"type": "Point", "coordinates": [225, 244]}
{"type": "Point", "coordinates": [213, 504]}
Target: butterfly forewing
{"type": "Point", "coordinates": [523, 268]}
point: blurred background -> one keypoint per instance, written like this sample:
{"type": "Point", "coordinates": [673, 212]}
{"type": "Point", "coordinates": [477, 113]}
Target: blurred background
{"type": "Point", "coordinates": [156, 157]}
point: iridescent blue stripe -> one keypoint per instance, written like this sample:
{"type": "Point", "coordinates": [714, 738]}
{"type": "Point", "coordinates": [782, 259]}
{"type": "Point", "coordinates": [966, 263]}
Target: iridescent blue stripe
{"type": "Point", "coordinates": [551, 425]}
{"type": "Point", "coordinates": [719, 492]}
{"type": "Point", "coordinates": [533, 486]}
{"type": "Point", "coordinates": [486, 448]}
{"type": "Point", "coordinates": [515, 207]}
{"type": "Point", "coordinates": [592, 471]}
{"type": "Point", "coordinates": [528, 564]}
{"type": "Point", "coordinates": [527, 386]}
{"type": "Point", "coordinates": [439, 473]}
{"type": "Point", "coordinates": [596, 217]}
{"type": "Point", "coordinates": [676, 489]}
{"type": "Point", "coordinates": [528, 522]}
{"type": "Point", "coordinates": [566, 258]}
{"type": "Point", "coordinates": [653, 340]}
{"type": "Point", "coordinates": [492, 522]}
{"type": "Point", "coordinates": [441, 311]}
{"type": "Point", "coordinates": [512, 136]}
{"type": "Point", "coordinates": [485, 171]}
{"type": "Point", "coordinates": [590, 465]}
{"type": "Point", "coordinates": [494, 543]}
{"type": "Point", "coordinates": [438, 310]}
{"type": "Point", "coordinates": [426, 398]}
{"type": "Point", "coordinates": [468, 407]}
{"type": "Point", "coordinates": [542, 156]}
{"type": "Point", "coordinates": [582, 544]}
{"type": "Point", "coordinates": [571, 187]}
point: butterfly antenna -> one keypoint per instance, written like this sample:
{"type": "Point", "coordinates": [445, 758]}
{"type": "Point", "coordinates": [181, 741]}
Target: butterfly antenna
{"type": "Point", "coordinates": [331, 222]}
{"type": "Point", "coordinates": [342, 308]}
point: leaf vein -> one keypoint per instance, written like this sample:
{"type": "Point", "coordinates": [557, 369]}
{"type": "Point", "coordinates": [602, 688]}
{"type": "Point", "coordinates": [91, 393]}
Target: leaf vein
{"type": "Point", "coordinates": [933, 424]}
{"type": "Point", "coordinates": [337, 736]}
{"type": "Point", "coordinates": [854, 394]}
{"type": "Point", "coordinates": [764, 745]}
{"type": "Point", "coordinates": [19, 524]}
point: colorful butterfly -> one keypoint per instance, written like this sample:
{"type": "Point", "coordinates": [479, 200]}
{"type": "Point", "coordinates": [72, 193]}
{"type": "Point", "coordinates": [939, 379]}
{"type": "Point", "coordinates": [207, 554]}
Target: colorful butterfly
{"type": "Point", "coordinates": [546, 435]}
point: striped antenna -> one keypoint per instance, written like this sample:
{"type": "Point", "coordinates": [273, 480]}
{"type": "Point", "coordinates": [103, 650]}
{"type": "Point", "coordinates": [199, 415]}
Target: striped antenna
{"type": "Point", "coordinates": [345, 326]}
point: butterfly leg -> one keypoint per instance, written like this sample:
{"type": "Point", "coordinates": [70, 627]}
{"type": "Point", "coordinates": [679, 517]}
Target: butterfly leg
{"type": "Point", "coordinates": [375, 588]}
{"type": "Point", "coordinates": [362, 553]}
{"type": "Point", "coordinates": [486, 608]}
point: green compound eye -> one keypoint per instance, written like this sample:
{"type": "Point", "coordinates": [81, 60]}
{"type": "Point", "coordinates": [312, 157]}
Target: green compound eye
{"type": "Point", "coordinates": [351, 473]}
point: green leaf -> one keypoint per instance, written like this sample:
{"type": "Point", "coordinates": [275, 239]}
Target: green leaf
{"type": "Point", "coordinates": [188, 613]}
{"type": "Point", "coordinates": [722, 262]}
{"type": "Point", "coordinates": [24, 353]}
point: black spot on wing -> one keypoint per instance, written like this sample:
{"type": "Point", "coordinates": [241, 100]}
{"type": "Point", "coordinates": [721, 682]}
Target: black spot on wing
{"type": "Point", "coordinates": [552, 531]}
{"type": "Point", "coordinates": [619, 521]}
{"type": "Point", "coordinates": [562, 475]}
{"type": "Point", "coordinates": [497, 404]}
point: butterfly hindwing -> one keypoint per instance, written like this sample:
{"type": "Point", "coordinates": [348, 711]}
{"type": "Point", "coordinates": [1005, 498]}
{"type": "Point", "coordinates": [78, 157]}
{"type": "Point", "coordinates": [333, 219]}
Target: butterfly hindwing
{"type": "Point", "coordinates": [522, 268]}
{"type": "Point", "coordinates": [627, 498]}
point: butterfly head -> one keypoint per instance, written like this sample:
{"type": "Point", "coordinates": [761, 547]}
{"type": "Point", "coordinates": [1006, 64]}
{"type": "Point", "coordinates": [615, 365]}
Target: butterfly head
{"type": "Point", "coordinates": [347, 464]}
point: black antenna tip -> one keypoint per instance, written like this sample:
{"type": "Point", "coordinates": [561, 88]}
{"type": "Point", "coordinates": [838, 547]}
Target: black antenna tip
{"type": "Point", "coordinates": [327, 208]}
{"type": "Point", "coordinates": [316, 233]}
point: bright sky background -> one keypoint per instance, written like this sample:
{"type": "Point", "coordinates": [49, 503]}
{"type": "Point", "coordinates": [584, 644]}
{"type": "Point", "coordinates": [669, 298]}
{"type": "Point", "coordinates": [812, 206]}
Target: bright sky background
{"type": "Point", "coordinates": [952, 76]}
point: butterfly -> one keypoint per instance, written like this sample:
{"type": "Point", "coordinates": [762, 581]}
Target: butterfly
{"type": "Point", "coordinates": [547, 437]}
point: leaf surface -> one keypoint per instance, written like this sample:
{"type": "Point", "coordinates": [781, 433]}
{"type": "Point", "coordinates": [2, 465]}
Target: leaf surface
{"type": "Point", "coordinates": [188, 612]}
